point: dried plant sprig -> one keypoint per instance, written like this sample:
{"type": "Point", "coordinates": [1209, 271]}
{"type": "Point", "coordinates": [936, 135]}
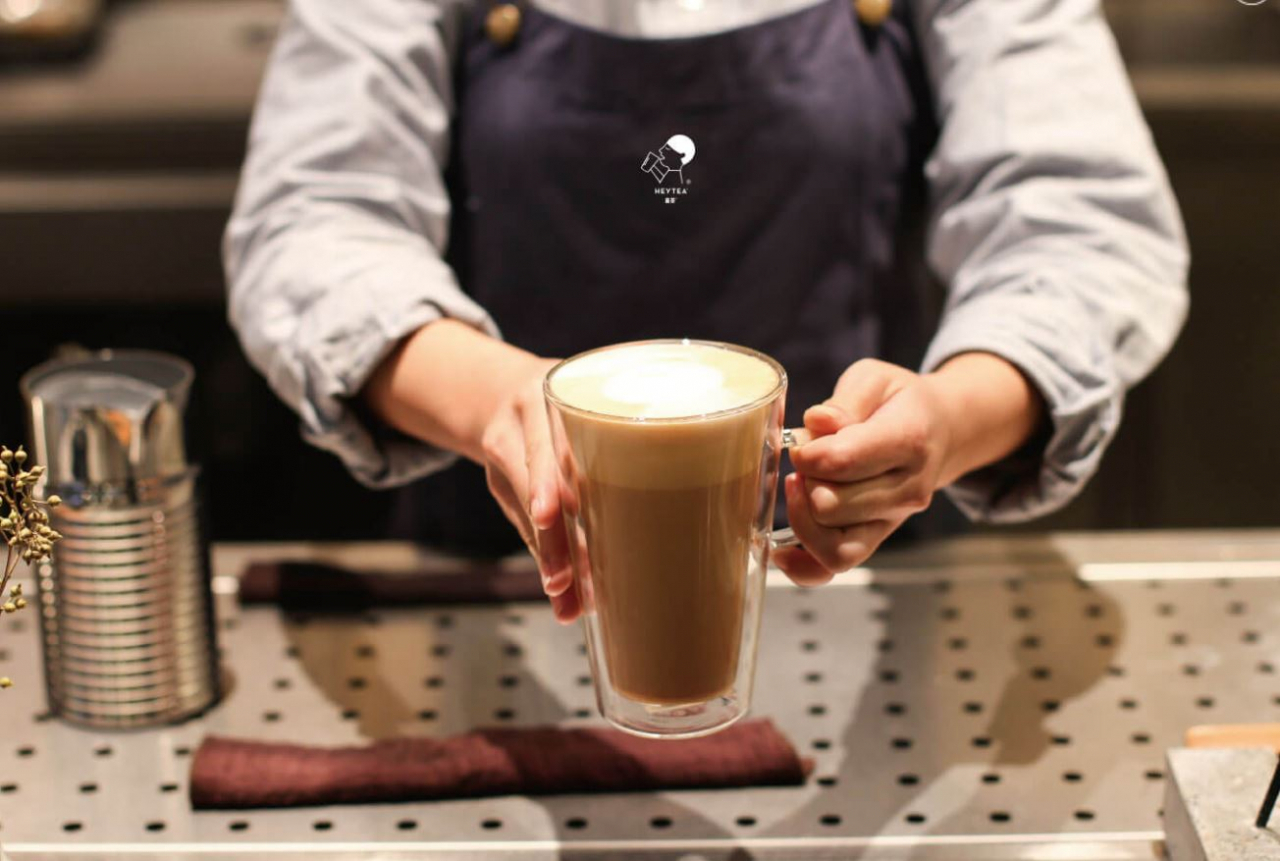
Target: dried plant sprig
{"type": "Point", "coordinates": [24, 525]}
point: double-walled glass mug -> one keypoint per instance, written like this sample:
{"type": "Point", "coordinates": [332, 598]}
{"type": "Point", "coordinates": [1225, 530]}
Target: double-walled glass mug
{"type": "Point", "coordinates": [668, 454]}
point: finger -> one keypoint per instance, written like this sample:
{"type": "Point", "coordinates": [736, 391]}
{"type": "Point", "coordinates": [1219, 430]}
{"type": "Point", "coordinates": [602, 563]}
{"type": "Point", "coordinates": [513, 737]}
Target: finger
{"type": "Point", "coordinates": [550, 539]}
{"type": "Point", "coordinates": [506, 467]}
{"type": "Point", "coordinates": [824, 419]}
{"type": "Point", "coordinates": [800, 566]}
{"type": "Point", "coordinates": [818, 541]}
{"type": "Point", "coordinates": [553, 560]}
{"type": "Point", "coordinates": [863, 387]}
{"type": "Point", "coordinates": [854, 453]}
{"type": "Point", "coordinates": [540, 460]}
{"type": "Point", "coordinates": [862, 540]}
{"type": "Point", "coordinates": [860, 391]}
{"type": "Point", "coordinates": [502, 491]}
{"type": "Point", "coordinates": [894, 494]}
{"type": "Point", "coordinates": [836, 549]}
{"type": "Point", "coordinates": [566, 607]}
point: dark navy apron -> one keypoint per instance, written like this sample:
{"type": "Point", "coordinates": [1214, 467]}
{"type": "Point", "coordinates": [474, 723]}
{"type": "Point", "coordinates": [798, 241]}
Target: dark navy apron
{"type": "Point", "coordinates": [757, 186]}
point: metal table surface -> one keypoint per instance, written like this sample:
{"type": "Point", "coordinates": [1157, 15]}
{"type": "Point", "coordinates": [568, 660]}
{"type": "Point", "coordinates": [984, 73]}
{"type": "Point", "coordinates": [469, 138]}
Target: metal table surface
{"type": "Point", "coordinates": [983, 698]}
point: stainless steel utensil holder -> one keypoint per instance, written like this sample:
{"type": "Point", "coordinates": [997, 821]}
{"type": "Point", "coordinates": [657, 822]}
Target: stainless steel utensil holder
{"type": "Point", "coordinates": [125, 604]}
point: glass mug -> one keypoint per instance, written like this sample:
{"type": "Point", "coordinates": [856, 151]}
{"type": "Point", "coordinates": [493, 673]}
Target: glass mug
{"type": "Point", "coordinates": [669, 532]}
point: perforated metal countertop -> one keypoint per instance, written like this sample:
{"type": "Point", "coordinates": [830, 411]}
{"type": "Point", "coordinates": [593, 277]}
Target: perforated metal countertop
{"type": "Point", "coordinates": [980, 699]}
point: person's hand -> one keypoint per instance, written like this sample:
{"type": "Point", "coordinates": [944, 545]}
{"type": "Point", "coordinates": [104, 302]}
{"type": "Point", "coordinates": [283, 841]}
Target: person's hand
{"type": "Point", "coordinates": [885, 441]}
{"type": "Point", "coordinates": [875, 457]}
{"type": "Point", "coordinates": [520, 465]}
{"type": "Point", "coordinates": [493, 415]}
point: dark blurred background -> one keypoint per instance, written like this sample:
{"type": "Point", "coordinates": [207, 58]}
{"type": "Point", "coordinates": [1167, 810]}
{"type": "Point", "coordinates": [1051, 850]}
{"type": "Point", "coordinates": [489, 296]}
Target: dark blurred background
{"type": "Point", "coordinates": [119, 147]}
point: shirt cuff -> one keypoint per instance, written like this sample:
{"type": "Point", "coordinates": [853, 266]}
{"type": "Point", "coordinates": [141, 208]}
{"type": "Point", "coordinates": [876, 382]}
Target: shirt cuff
{"type": "Point", "coordinates": [348, 333]}
{"type": "Point", "coordinates": [1058, 348]}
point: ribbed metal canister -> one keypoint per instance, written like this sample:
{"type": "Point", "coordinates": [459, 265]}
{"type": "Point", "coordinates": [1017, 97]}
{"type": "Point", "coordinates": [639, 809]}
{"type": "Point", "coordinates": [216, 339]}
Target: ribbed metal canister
{"type": "Point", "coordinates": [125, 604]}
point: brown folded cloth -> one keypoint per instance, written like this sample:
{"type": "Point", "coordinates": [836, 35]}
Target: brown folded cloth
{"type": "Point", "coordinates": [315, 586]}
{"type": "Point", "coordinates": [228, 773]}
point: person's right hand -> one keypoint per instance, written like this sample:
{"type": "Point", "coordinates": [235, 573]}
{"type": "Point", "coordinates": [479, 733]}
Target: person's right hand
{"type": "Point", "coordinates": [520, 465]}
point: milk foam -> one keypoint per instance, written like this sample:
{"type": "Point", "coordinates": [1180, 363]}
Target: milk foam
{"type": "Point", "coordinates": [663, 381]}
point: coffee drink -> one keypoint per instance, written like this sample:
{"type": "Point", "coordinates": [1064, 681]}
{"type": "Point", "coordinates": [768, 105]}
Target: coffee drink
{"type": "Point", "coordinates": [669, 459]}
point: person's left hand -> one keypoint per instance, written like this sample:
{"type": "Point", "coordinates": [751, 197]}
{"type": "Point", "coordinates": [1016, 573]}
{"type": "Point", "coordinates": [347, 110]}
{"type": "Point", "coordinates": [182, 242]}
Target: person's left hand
{"type": "Point", "coordinates": [878, 450]}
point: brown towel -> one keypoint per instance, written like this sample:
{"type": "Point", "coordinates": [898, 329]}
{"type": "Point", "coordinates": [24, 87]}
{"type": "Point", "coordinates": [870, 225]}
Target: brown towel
{"type": "Point", "coordinates": [314, 586]}
{"type": "Point", "coordinates": [229, 773]}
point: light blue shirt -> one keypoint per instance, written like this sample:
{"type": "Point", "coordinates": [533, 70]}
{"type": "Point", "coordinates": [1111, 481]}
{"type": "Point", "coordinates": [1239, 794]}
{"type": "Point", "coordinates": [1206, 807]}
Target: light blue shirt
{"type": "Point", "coordinates": [1051, 219]}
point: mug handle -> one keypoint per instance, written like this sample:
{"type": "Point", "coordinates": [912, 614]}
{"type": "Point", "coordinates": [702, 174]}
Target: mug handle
{"type": "Point", "coordinates": [781, 538]}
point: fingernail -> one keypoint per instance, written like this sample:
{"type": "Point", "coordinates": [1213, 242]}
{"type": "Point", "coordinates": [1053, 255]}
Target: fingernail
{"type": "Point", "coordinates": [556, 584]}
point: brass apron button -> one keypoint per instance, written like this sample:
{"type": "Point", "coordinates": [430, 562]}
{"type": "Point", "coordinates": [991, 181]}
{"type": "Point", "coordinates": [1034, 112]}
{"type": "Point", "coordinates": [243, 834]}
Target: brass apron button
{"type": "Point", "coordinates": [873, 12]}
{"type": "Point", "coordinates": [502, 24]}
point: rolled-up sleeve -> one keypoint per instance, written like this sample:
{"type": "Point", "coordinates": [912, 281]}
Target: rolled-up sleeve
{"type": "Point", "coordinates": [1053, 226]}
{"type": "Point", "coordinates": [333, 252]}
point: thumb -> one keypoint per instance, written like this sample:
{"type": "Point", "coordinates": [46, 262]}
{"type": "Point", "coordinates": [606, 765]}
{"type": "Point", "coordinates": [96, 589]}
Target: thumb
{"type": "Point", "coordinates": [825, 419]}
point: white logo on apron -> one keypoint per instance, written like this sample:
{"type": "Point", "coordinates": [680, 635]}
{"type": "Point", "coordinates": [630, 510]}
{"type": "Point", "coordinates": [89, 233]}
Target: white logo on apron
{"type": "Point", "coordinates": [666, 166]}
